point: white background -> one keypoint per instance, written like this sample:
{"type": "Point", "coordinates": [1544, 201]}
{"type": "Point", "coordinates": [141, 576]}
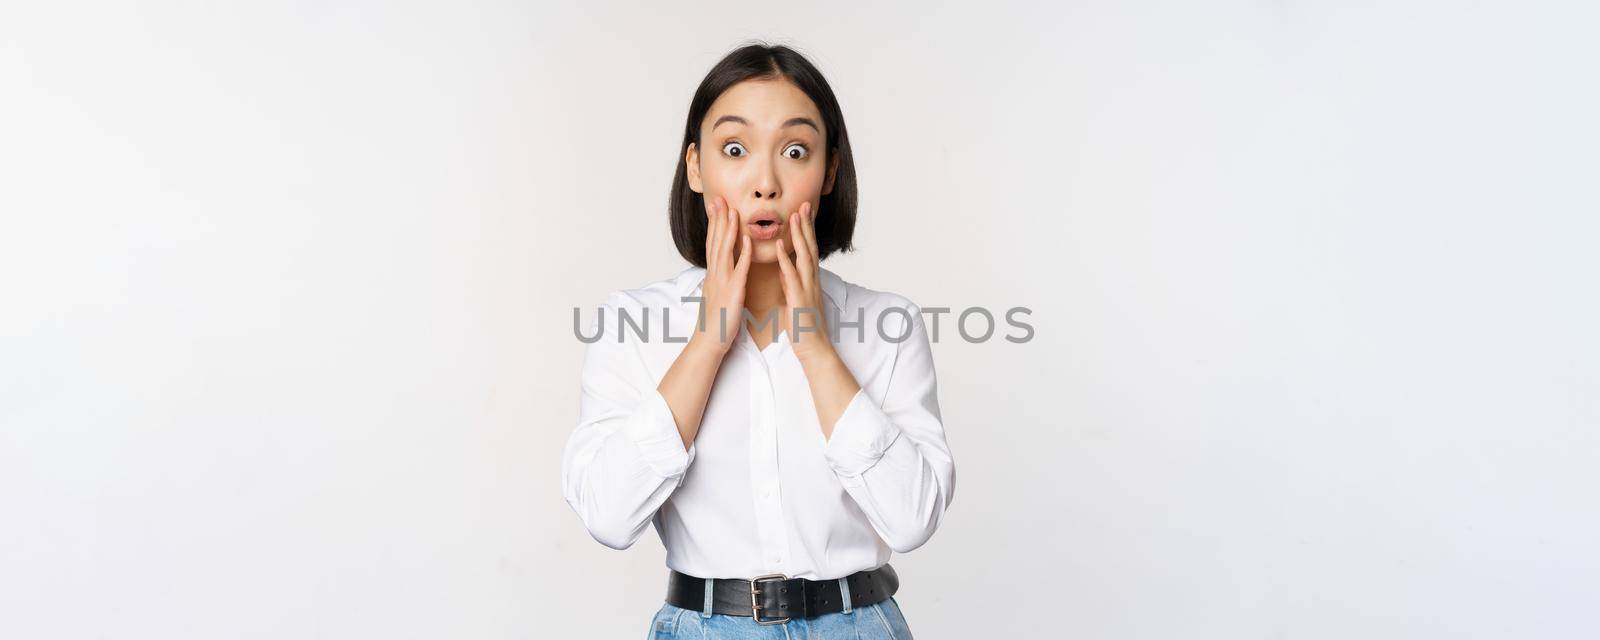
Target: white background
{"type": "Point", "coordinates": [287, 291]}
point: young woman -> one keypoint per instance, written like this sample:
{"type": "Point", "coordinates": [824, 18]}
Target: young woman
{"type": "Point", "coordinates": [778, 425]}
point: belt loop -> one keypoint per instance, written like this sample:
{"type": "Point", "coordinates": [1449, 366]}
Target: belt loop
{"type": "Point", "coordinates": [844, 592]}
{"type": "Point", "coordinates": [705, 611]}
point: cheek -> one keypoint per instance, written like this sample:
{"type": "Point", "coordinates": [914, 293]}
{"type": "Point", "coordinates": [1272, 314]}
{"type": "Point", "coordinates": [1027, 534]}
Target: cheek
{"type": "Point", "coordinates": [804, 182]}
{"type": "Point", "coordinates": [720, 178]}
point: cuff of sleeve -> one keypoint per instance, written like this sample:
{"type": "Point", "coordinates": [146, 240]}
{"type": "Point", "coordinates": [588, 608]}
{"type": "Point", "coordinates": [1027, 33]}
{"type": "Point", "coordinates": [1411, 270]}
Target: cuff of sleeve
{"type": "Point", "coordinates": [653, 430]}
{"type": "Point", "coordinates": [860, 437]}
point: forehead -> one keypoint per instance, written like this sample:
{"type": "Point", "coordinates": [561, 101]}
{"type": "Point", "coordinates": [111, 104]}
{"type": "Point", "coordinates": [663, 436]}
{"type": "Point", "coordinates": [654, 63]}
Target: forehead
{"type": "Point", "coordinates": [766, 103]}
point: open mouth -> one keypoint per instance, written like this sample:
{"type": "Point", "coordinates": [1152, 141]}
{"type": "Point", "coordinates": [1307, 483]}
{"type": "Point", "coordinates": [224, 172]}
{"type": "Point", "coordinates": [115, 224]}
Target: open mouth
{"type": "Point", "coordinates": [765, 228]}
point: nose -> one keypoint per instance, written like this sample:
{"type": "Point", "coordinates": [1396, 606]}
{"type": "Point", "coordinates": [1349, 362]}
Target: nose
{"type": "Point", "coordinates": [766, 186]}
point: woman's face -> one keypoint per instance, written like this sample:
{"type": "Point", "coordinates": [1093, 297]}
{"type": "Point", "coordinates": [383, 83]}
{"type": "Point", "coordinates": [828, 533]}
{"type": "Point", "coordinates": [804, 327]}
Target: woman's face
{"type": "Point", "coordinates": [761, 149]}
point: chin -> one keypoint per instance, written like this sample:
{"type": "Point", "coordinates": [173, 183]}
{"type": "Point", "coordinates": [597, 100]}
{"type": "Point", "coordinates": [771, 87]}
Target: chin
{"type": "Point", "coordinates": [767, 252]}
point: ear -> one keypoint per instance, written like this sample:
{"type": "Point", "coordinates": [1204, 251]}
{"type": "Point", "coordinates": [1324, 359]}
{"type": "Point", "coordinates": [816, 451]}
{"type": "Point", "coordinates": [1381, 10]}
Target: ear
{"type": "Point", "coordinates": [691, 159]}
{"type": "Point", "coordinates": [833, 172]}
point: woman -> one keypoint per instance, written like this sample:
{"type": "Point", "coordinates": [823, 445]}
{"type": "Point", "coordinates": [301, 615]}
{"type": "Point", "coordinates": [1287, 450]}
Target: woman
{"type": "Point", "coordinates": [778, 425]}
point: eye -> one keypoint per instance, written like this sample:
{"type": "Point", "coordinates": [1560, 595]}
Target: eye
{"type": "Point", "coordinates": [796, 152]}
{"type": "Point", "coordinates": [734, 149]}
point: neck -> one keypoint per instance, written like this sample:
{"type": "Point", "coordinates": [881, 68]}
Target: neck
{"type": "Point", "coordinates": [763, 288]}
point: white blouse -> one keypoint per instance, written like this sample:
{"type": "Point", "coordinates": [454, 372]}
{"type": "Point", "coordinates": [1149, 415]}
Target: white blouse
{"type": "Point", "coordinates": [760, 491]}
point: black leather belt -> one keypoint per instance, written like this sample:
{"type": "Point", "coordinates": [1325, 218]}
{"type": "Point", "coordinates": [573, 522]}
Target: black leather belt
{"type": "Point", "coordinates": [775, 598]}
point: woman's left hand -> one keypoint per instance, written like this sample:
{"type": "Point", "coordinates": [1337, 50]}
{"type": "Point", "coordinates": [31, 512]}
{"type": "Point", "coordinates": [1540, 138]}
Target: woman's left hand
{"type": "Point", "coordinates": [802, 289]}
{"type": "Point", "coordinates": [833, 385]}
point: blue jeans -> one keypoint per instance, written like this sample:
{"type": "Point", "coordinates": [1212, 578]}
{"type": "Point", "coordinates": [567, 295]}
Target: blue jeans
{"type": "Point", "coordinates": [881, 621]}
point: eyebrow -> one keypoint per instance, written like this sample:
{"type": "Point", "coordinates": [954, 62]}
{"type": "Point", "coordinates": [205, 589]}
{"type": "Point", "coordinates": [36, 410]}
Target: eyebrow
{"type": "Point", "coordinates": [790, 123]}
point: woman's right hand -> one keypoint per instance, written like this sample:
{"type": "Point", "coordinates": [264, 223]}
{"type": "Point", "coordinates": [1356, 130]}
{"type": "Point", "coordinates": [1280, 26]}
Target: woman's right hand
{"type": "Point", "coordinates": [722, 295]}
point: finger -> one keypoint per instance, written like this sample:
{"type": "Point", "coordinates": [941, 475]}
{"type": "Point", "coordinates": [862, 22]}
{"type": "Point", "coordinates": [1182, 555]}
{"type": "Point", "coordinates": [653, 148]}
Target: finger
{"type": "Point", "coordinates": [791, 281]}
{"type": "Point", "coordinates": [730, 238]}
{"type": "Point", "coordinates": [722, 238]}
{"type": "Point", "coordinates": [793, 295]}
{"type": "Point", "coordinates": [713, 224]}
{"type": "Point", "coordinates": [802, 253]}
{"type": "Point", "coordinates": [810, 228]}
{"type": "Point", "coordinates": [741, 270]}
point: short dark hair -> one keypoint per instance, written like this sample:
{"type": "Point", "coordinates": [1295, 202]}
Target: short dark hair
{"type": "Point", "coordinates": [836, 212]}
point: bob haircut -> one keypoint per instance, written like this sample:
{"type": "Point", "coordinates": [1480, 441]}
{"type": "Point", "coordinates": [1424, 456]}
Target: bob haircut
{"type": "Point", "coordinates": [836, 212]}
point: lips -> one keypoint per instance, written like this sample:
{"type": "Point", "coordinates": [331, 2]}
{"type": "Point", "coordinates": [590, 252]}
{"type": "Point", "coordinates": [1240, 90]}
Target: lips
{"type": "Point", "coordinates": [764, 225]}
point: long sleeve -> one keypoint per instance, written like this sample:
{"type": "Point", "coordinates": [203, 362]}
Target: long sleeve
{"type": "Point", "coordinates": [625, 458]}
{"type": "Point", "coordinates": [890, 453]}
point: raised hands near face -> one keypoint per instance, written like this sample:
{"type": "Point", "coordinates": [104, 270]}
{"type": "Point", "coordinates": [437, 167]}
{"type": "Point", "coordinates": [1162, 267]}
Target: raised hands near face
{"type": "Point", "coordinates": [802, 288]}
{"type": "Point", "coordinates": [722, 302]}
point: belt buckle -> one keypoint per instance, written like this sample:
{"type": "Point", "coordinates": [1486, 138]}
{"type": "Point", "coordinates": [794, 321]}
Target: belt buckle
{"type": "Point", "coordinates": [755, 604]}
